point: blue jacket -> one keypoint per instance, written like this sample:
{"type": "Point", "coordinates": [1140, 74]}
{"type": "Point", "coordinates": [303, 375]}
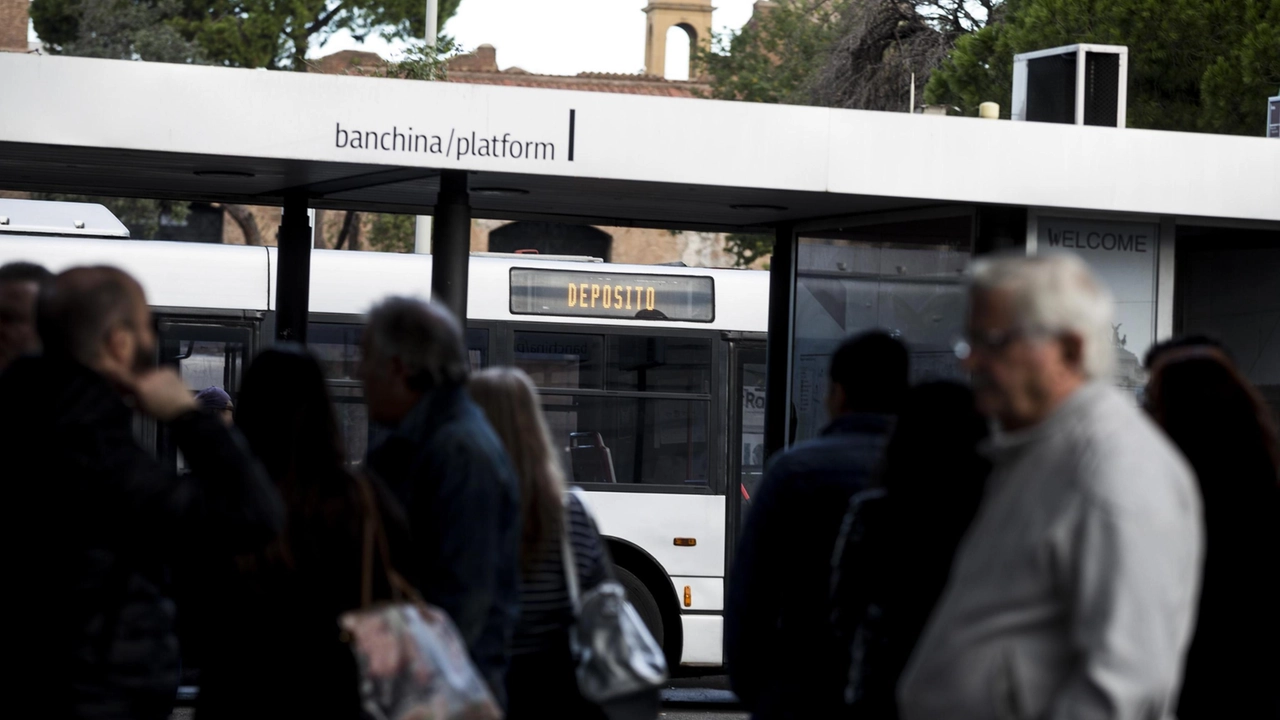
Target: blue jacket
{"type": "Point", "coordinates": [461, 497]}
{"type": "Point", "coordinates": [777, 635]}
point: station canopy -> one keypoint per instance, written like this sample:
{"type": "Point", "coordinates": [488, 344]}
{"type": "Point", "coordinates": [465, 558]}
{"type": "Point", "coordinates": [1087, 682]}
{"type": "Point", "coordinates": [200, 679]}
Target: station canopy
{"type": "Point", "coordinates": [122, 128]}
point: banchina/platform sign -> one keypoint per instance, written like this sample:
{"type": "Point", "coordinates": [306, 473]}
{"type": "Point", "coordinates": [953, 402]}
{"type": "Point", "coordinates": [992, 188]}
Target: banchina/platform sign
{"type": "Point", "coordinates": [455, 144]}
{"type": "Point", "coordinates": [571, 293]}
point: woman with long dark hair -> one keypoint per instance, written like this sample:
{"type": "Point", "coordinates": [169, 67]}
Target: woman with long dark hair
{"type": "Point", "coordinates": [275, 648]}
{"type": "Point", "coordinates": [541, 680]}
{"type": "Point", "coordinates": [1222, 425]}
{"type": "Point", "coordinates": [895, 550]}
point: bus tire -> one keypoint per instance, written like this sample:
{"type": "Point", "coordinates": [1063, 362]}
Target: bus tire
{"type": "Point", "coordinates": [644, 603]}
{"type": "Point", "coordinates": [652, 594]}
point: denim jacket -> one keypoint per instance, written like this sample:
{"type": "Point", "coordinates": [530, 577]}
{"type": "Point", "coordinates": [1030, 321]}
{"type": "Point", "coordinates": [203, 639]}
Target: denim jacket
{"type": "Point", "coordinates": [460, 493]}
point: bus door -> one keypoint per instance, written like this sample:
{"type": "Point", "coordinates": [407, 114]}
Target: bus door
{"type": "Point", "coordinates": [746, 432]}
{"type": "Point", "coordinates": [206, 352]}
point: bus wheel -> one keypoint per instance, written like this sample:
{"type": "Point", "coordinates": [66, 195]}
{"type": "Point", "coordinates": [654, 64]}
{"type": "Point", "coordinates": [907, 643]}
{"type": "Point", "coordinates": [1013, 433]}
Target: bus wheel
{"type": "Point", "coordinates": [642, 600]}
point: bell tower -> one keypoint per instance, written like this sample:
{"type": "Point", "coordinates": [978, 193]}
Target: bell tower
{"type": "Point", "coordinates": [691, 16]}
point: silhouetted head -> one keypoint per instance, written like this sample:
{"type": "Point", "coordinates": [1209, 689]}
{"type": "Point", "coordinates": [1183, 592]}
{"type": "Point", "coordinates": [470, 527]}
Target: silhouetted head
{"type": "Point", "coordinates": [216, 400]}
{"type": "Point", "coordinates": [868, 373]}
{"type": "Point", "coordinates": [934, 449]}
{"type": "Point", "coordinates": [411, 347]}
{"type": "Point", "coordinates": [98, 316]}
{"type": "Point", "coordinates": [509, 400]}
{"type": "Point", "coordinates": [1169, 347]}
{"type": "Point", "coordinates": [285, 414]}
{"type": "Point", "coordinates": [1214, 415]}
{"type": "Point", "coordinates": [20, 285]}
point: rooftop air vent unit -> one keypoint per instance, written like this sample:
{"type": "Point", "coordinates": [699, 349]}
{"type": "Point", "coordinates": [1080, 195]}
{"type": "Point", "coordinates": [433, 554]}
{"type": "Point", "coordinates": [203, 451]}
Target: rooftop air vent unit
{"type": "Point", "coordinates": [1076, 84]}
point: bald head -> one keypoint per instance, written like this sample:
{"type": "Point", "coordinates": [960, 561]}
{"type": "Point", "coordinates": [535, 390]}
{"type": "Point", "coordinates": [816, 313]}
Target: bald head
{"type": "Point", "coordinates": [96, 316]}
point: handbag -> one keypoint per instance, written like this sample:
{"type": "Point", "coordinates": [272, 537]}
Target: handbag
{"type": "Point", "coordinates": [411, 659]}
{"type": "Point", "coordinates": [619, 666]}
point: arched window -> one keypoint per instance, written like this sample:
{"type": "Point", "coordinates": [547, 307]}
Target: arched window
{"type": "Point", "coordinates": [680, 43]}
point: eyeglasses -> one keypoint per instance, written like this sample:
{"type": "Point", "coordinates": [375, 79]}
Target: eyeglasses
{"type": "Point", "coordinates": [991, 341]}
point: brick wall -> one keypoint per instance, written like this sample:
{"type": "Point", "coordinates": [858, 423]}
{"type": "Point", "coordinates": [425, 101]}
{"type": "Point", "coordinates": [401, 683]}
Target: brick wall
{"type": "Point", "coordinates": [13, 25]}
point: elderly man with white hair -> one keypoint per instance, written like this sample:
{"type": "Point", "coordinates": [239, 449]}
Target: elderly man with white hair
{"type": "Point", "coordinates": [1074, 593]}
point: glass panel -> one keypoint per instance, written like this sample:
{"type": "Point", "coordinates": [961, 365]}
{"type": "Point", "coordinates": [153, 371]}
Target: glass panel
{"type": "Point", "coordinates": [561, 360]}
{"type": "Point", "coordinates": [478, 348]}
{"type": "Point", "coordinates": [631, 440]}
{"type": "Point", "coordinates": [751, 374]}
{"type": "Point", "coordinates": [337, 347]}
{"type": "Point", "coordinates": [206, 364]}
{"type": "Point", "coordinates": [1226, 286]}
{"type": "Point", "coordinates": [205, 356]}
{"type": "Point", "coordinates": [660, 364]}
{"type": "Point", "coordinates": [905, 278]}
{"type": "Point", "coordinates": [353, 422]}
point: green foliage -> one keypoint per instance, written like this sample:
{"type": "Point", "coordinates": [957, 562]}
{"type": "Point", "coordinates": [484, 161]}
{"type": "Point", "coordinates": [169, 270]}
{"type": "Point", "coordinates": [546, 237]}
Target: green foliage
{"type": "Point", "coordinates": [266, 33]}
{"type": "Point", "coordinates": [1235, 85]}
{"type": "Point", "coordinates": [239, 33]}
{"type": "Point", "coordinates": [747, 248]}
{"type": "Point", "coordinates": [118, 29]}
{"type": "Point", "coordinates": [974, 73]}
{"type": "Point", "coordinates": [141, 215]}
{"type": "Point", "coordinates": [421, 62]}
{"type": "Point", "coordinates": [1192, 65]}
{"type": "Point", "coordinates": [771, 58]}
{"type": "Point", "coordinates": [392, 233]}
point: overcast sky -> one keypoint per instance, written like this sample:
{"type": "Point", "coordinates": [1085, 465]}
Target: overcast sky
{"type": "Point", "coordinates": [557, 37]}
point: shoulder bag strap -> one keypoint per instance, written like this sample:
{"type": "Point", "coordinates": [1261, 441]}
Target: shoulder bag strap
{"type": "Point", "coordinates": [375, 535]}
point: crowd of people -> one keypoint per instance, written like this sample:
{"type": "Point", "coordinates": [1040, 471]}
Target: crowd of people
{"type": "Point", "coordinates": [255, 548]}
{"type": "Point", "coordinates": [1030, 545]}
{"type": "Point", "coordinates": [1034, 545]}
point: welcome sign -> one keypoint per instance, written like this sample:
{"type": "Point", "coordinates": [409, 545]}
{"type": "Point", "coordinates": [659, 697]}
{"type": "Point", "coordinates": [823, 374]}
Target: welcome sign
{"type": "Point", "coordinates": [1125, 255]}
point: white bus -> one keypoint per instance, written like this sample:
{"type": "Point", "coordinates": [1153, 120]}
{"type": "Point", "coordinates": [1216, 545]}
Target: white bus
{"type": "Point", "coordinates": [652, 377]}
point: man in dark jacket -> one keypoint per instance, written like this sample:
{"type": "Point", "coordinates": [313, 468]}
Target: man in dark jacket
{"type": "Point", "coordinates": [92, 517]}
{"type": "Point", "coordinates": [777, 637]}
{"type": "Point", "coordinates": [451, 472]}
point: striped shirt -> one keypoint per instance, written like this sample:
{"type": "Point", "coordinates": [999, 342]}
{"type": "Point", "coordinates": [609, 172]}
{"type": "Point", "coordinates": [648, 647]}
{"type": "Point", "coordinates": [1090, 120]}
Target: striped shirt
{"type": "Point", "coordinates": [545, 610]}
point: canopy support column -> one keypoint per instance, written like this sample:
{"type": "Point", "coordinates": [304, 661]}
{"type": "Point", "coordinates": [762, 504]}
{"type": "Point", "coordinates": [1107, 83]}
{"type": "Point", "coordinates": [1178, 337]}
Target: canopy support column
{"type": "Point", "coordinates": [451, 243]}
{"type": "Point", "coordinates": [293, 271]}
{"type": "Point", "coordinates": [782, 296]}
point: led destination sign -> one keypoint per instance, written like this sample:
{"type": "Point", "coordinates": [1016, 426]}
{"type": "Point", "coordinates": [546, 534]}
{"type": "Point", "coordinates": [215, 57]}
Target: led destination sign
{"type": "Point", "coordinates": [571, 293]}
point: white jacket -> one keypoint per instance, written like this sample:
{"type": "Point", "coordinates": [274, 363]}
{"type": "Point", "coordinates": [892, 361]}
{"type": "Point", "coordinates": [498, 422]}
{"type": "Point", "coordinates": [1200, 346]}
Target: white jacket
{"type": "Point", "coordinates": [1074, 593]}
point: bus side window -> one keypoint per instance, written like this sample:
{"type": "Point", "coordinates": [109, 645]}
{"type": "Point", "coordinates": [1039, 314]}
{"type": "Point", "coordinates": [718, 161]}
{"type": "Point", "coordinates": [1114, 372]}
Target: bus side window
{"type": "Point", "coordinates": [337, 348]}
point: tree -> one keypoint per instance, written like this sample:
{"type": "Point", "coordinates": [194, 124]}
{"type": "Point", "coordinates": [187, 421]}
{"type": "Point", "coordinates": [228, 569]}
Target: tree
{"type": "Point", "coordinates": [243, 33]}
{"type": "Point", "coordinates": [1233, 87]}
{"type": "Point", "coordinates": [392, 233]}
{"type": "Point", "coordinates": [839, 53]}
{"type": "Point", "coordinates": [883, 48]}
{"type": "Point", "coordinates": [747, 248]}
{"type": "Point", "coordinates": [118, 29]}
{"type": "Point", "coordinates": [1192, 65]}
{"type": "Point", "coordinates": [771, 58]}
